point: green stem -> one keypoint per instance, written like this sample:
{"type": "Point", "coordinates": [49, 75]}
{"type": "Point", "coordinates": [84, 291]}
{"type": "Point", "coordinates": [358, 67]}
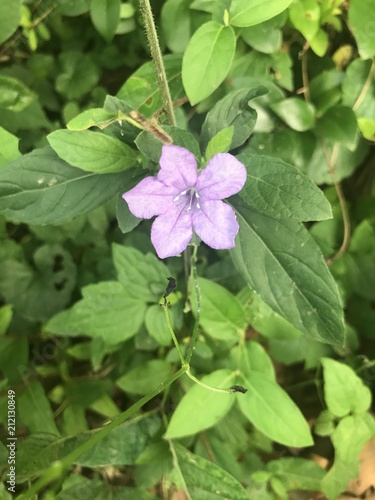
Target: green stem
{"type": "Point", "coordinates": [171, 331]}
{"type": "Point", "coordinates": [195, 334]}
{"type": "Point", "coordinates": [156, 55]}
{"type": "Point", "coordinates": [57, 468]}
{"type": "Point", "coordinates": [209, 387]}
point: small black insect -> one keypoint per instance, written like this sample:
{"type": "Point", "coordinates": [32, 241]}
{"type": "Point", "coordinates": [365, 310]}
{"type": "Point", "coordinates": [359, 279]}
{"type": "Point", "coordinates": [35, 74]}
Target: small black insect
{"type": "Point", "coordinates": [172, 283]}
{"type": "Point", "coordinates": [238, 388]}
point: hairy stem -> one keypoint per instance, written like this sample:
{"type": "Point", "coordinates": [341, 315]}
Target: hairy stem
{"type": "Point", "coordinates": [153, 42]}
{"type": "Point", "coordinates": [195, 334]}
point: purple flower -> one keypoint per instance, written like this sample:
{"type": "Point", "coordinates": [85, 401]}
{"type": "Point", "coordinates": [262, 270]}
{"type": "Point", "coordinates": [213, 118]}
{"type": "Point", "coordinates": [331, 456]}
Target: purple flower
{"type": "Point", "coordinates": [185, 200]}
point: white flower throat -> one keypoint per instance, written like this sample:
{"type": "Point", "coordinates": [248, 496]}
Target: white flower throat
{"type": "Point", "coordinates": [192, 198]}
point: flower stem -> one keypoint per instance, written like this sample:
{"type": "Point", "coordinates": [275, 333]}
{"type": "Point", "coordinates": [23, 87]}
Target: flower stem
{"type": "Point", "coordinates": [171, 331]}
{"type": "Point", "coordinates": [209, 387]}
{"type": "Point", "coordinates": [57, 468]}
{"type": "Point", "coordinates": [156, 55]}
{"type": "Point", "coordinates": [195, 333]}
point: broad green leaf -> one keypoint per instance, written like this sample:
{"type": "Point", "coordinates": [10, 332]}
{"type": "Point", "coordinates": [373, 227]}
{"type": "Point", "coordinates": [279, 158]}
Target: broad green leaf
{"type": "Point", "coordinates": [175, 21]}
{"type": "Point", "coordinates": [319, 44]}
{"type": "Point", "coordinates": [269, 408]}
{"type": "Point", "coordinates": [10, 15]}
{"type": "Point", "coordinates": [95, 117]}
{"type": "Point", "coordinates": [92, 151]}
{"type": "Point", "coordinates": [34, 409]}
{"type": "Point", "coordinates": [305, 16]}
{"type": "Point", "coordinates": [141, 90]}
{"type": "Point", "coordinates": [222, 316]}
{"type": "Point", "coordinates": [367, 127]}
{"type": "Point", "coordinates": [355, 80]}
{"type": "Point", "coordinates": [40, 188]}
{"type": "Point", "coordinates": [297, 473]}
{"type": "Point", "coordinates": [207, 60]}
{"type": "Point", "coordinates": [325, 89]}
{"type": "Point", "coordinates": [250, 12]}
{"type": "Point", "coordinates": [282, 191]}
{"type": "Point", "coordinates": [145, 377]}
{"type": "Point", "coordinates": [351, 434]}
{"type": "Point", "coordinates": [9, 147]}
{"type": "Point", "coordinates": [281, 262]}
{"type": "Point", "coordinates": [344, 391]}
{"type": "Point", "coordinates": [295, 112]}
{"type": "Point", "coordinates": [208, 407]}
{"type": "Point", "coordinates": [14, 95]}
{"type": "Point", "coordinates": [338, 124]}
{"type": "Point", "coordinates": [144, 277]}
{"type": "Point", "coordinates": [220, 142]}
{"type": "Point", "coordinates": [105, 311]}
{"type": "Point", "coordinates": [126, 220]}
{"type": "Point", "coordinates": [362, 22]}
{"type": "Point", "coordinates": [79, 75]}
{"type": "Point", "coordinates": [263, 37]}
{"type": "Point", "coordinates": [156, 324]}
{"type": "Point", "coordinates": [205, 480]}
{"type": "Point", "coordinates": [78, 7]}
{"type": "Point", "coordinates": [105, 16]}
{"type": "Point", "coordinates": [232, 110]}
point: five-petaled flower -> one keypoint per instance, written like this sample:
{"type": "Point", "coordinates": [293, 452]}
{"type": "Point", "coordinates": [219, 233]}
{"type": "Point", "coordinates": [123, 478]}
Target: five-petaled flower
{"type": "Point", "coordinates": [184, 199]}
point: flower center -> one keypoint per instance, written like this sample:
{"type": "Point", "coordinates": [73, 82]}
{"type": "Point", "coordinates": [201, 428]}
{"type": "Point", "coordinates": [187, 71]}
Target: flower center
{"type": "Point", "coordinates": [191, 197]}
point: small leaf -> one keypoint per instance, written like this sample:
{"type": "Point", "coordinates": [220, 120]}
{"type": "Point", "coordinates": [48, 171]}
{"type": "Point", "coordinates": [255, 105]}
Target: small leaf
{"type": "Point", "coordinates": [351, 434]}
{"type": "Point", "coordinates": [338, 124]}
{"type": "Point", "coordinates": [95, 117]}
{"type": "Point", "coordinates": [282, 191]}
{"type": "Point", "coordinates": [297, 473]}
{"type": "Point", "coordinates": [207, 60]}
{"type": "Point", "coordinates": [295, 112]}
{"type": "Point", "coordinates": [9, 147]}
{"type": "Point", "coordinates": [208, 407]}
{"type": "Point", "coordinates": [220, 143]}
{"type": "Point", "coordinates": [344, 391]}
{"type": "Point", "coordinates": [14, 95]}
{"type": "Point", "coordinates": [6, 314]}
{"type": "Point", "coordinates": [34, 409]}
{"type": "Point", "coordinates": [338, 477]}
{"type": "Point", "coordinates": [105, 16]}
{"type": "Point", "coordinates": [92, 151]}
{"type": "Point", "coordinates": [79, 75]}
{"type": "Point", "coordinates": [10, 15]}
{"type": "Point", "coordinates": [305, 16]}
{"type": "Point", "coordinates": [269, 408]}
{"type": "Point", "coordinates": [251, 356]}
{"type": "Point", "coordinates": [282, 263]}
{"type": "Point", "coordinates": [175, 20]}
{"type": "Point", "coordinates": [250, 12]}
{"type": "Point", "coordinates": [222, 316]}
{"type": "Point", "coordinates": [205, 480]}
{"type": "Point", "coordinates": [145, 377]}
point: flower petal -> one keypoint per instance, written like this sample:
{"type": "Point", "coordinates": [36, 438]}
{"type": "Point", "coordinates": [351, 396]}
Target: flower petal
{"type": "Point", "coordinates": [172, 231]}
{"type": "Point", "coordinates": [178, 167]}
{"type": "Point", "coordinates": [150, 197]}
{"type": "Point", "coordinates": [223, 177]}
{"type": "Point", "coordinates": [216, 224]}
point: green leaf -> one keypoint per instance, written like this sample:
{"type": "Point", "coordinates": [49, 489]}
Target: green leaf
{"type": "Point", "coordinates": [305, 16]}
{"type": "Point", "coordinates": [362, 22]}
{"type": "Point", "coordinates": [356, 77]}
{"type": "Point", "coordinates": [319, 44]}
{"type": "Point", "coordinates": [105, 311]}
{"type": "Point", "coordinates": [324, 424]}
{"type": "Point", "coordinates": [10, 15]}
{"type": "Point", "coordinates": [145, 377]}
{"type": "Point", "coordinates": [351, 434]}
{"type": "Point", "coordinates": [344, 391]}
{"type": "Point", "coordinates": [295, 112]}
{"type": "Point", "coordinates": [269, 408]}
{"type": "Point", "coordinates": [95, 117]}
{"type": "Point", "coordinates": [251, 356]}
{"type": "Point", "coordinates": [338, 124]}
{"type": "Point", "coordinates": [40, 188]}
{"type": "Point", "coordinates": [175, 21]}
{"type": "Point", "coordinates": [205, 480]}
{"type": "Point", "coordinates": [14, 95]}
{"type": "Point", "coordinates": [250, 12]}
{"type": "Point", "coordinates": [126, 220]}
{"type": "Point", "coordinates": [144, 277]}
{"type": "Point", "coordinates": [232, 110]}
{"type": "Point", "coordinates": [156, 324]}
{"type": "Point", "coordinates": [220, 142]}
{"type": "Point", "coordinates": [78, 7]}
{"type": "Point", "coordinates": [141, 90]}
{"type": "Point", "coordinates": [297, 473]}
{"type": "Point", "coordinates": [79, 75]}
{"type": "Point", "coordinates": [222, 316]}
{"type": "Point", "coordinates": [9, 147]}
{"type": "Point", "coordinates": [338, 477]}
{"type": "Point", "coordinates": [281, 262]}
{"type": "Point", "coordinates": [6, 314]}
{"type": "Point", "coordinates": [208, 407]}
{"type": "Point", "coordinates": [207, 60]}
{"type": "Point", "coordinates": [105, 16]}
{"type": "Point", "coordinates": [92, 151]}
{"type": "Point", "coordinates": [34, 409]}
{"type": "Point", "coordinates": [282, 191]}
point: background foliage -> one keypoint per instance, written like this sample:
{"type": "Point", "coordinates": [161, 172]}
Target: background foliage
{"type": "Point", "coordinates": [286, 86]}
